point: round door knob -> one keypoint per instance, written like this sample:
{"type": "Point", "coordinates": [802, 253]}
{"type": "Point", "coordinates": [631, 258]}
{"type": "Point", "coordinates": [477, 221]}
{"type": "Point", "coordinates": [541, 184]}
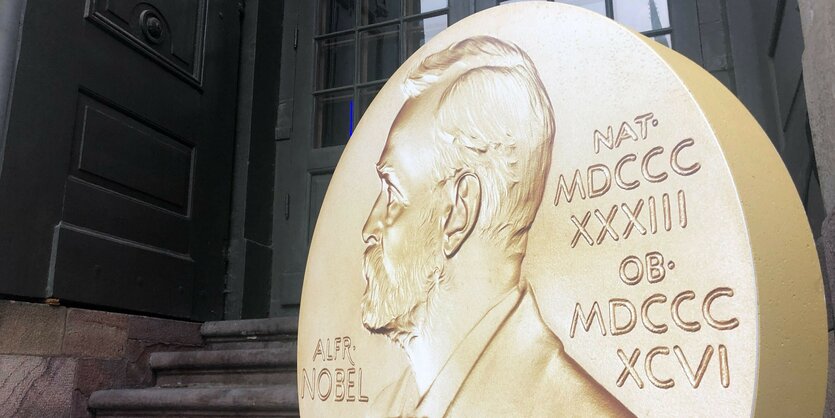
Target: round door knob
{"type": "Point", "coordinates": [152, 26]}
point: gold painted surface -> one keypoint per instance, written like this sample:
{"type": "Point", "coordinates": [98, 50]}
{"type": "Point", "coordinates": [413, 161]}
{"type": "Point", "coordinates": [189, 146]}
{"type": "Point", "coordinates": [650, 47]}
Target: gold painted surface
{"type": "Point", "coordinates": [458, 270]}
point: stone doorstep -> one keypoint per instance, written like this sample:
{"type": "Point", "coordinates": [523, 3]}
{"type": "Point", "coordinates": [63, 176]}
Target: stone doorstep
{"type": "Point", "coordinates": [199, 414]}
{"type": "Point", "coordinates": [254, 342]}
{"type": "Point", "coordinates": [256, 378]}
{"type": "Point", "coordinates": [225, 359]}
{"type": "Point", "coordinates": [101, 334]}
{"type": "Point", "coordinates": [251, 329]}
{"type": "Point", "coordinates": [225, 367]}
{"type": "Point", "coordinates": [277, 399]}
{"type": "Point", "coordinates": [226, 378]}
{"type": "Point", "coordinates": [168, 331]}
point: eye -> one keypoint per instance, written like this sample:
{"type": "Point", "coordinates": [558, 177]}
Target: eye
{"type": "Point", "coordinates": [390, 194]}
{"type": "Point", "coordinates": [387, 191]}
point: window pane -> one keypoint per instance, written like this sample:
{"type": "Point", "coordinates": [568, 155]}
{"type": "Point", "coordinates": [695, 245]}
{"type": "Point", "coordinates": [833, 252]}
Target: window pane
{"type": "Point", "coordinates": [642, 15]}
{"type": "Point", "coordinates": [333, 118]}
{"type": "Point", "coordinates": [379, 52]}
{"type": "Point", "coordinates": [336, 15]}
{"type": "Point", "coordinates": [419, 32]}
{"type": "Point", "coordinates": [664, 40]}
{"type": "Point", "coordinates": [375, 11]}
{"type": "Point", "coordinates": [366, 95]}
{"type": "Point", "coordinates": [597, 6]}
{"type": "Point", "coordinates": [336, 62]}
{"type": "Point", "coordinates": [414, 7]}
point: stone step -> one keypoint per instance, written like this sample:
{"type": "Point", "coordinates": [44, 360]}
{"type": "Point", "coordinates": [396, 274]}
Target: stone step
{"type": "Point", "coordinates": [249, 333]}
{"type": "Point", "coordinates": [225, 367]}
{"type": "Point", "coordinates": [263, 401]}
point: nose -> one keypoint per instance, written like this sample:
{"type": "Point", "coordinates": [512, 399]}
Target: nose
{"type": "Point", "coordinates": [371, 229]}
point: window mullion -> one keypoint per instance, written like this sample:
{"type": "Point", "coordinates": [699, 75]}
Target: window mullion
{"type": "Point", "coordinates": [402, 30]}
{"type": "Point", "coordinates": [357, 66]}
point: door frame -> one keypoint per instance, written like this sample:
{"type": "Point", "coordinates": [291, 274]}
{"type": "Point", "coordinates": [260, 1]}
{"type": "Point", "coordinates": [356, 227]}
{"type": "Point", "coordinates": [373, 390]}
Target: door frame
{"type": "Point", "coordinates": [250, 254]}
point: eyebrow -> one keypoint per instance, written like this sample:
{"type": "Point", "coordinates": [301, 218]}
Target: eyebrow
{"type": "Point", "coordinates": [383, 168]}
{"type": "Point", "coordinates": [388, 175]}
{"type": "Point", "coordinates": [386, 172]}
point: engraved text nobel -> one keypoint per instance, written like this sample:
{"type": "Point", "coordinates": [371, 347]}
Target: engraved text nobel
{"type": "Point", "coordinates": [339, 384]}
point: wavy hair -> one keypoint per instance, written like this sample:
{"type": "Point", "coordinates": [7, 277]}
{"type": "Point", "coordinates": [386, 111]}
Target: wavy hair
{"type": "Point", "coordinates": [494, 119]}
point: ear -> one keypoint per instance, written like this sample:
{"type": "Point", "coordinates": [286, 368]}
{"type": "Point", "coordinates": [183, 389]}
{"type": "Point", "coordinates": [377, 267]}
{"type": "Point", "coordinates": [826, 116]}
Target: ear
{"type": "Point", "coordinates": [463, 213]}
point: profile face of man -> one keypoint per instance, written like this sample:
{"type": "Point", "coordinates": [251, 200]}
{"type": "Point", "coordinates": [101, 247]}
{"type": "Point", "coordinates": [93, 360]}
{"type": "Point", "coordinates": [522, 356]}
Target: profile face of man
{"type": "Point", "coordinates": [403, 257]}
{"type": "Point", "coordinates": [462, 174]}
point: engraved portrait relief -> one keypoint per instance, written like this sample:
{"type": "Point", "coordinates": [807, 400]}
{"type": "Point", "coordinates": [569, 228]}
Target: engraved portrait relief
{"type": "Point", "coordinates": [462, 175]}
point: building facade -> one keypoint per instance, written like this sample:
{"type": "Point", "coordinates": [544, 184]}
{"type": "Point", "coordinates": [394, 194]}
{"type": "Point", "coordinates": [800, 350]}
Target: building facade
{"type": "Point", "coordinates": [162, 163]}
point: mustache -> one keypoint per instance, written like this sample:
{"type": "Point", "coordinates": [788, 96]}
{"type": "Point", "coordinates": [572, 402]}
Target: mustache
{"type": "Point", "coordinates": [372, 257]}
{"type": "Point", "coordinates": [378, 312]}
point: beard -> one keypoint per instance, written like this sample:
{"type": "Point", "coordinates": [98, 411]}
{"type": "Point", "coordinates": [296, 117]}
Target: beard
{"type": "Point", "coordinates": [397, 295]}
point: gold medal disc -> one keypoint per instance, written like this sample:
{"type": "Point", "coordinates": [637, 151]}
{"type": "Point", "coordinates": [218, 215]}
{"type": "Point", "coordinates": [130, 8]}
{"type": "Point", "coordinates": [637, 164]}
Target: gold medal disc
{"type": "Point", "coordinates": [543, 213]}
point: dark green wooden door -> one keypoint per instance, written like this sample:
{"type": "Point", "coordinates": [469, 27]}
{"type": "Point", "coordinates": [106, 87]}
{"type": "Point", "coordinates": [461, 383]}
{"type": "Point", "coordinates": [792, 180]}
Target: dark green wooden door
{"type": "Point", "coordinates": [116, 174]}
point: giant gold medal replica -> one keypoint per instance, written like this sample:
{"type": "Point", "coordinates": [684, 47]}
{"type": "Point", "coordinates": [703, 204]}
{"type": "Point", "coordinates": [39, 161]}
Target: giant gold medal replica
{"type": "Point", "coordinates": [544, 213]}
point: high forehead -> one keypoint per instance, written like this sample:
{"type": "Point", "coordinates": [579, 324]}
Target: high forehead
{"type": "Point", "coordinates": [409, 145]}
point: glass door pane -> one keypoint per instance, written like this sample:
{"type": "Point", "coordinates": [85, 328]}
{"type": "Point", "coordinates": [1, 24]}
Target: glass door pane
{"type": "Point", "coordinates": [376, 11]}
{"type": "Point", "coordinates": [335, 63]}
{"type": "Point", "coordinates": [414, 7]}
{"type": "Point", "coordinates": [334, 118]}
{"type": "Point", "coordinates": [379, 52]}
{"type": "Point", "coordinates": [642, 15]}
{"type": "Point", "coordinates": [336, 15]}
{"type": "Point", "coordinates": [418, 32]}
{"type": "Point", "coordinates": [597, 6]}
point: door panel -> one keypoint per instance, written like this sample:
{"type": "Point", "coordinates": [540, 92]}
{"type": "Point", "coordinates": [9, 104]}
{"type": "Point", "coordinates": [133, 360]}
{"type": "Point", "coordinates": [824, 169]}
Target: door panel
{"type": "Point", "coordinates": [119, 155]}
{"type": "Point", "coordinates": [134, 22]}
{"type": "Point", "coordinates": [127, 274]}
{"type": "Point", "coordinates": [116, 151]}
{"type": "Point", "coordinates": [319, 182]}
{"type": "Point", "coordinates": [93, 206]}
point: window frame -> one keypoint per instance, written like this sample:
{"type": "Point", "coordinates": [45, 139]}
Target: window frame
{"type": "Point", "coordinates": [683, 30]}
{"type": "Point", "coordinates": [357, 30]}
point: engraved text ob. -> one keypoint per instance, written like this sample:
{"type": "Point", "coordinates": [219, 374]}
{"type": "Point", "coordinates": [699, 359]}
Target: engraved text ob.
{"type": "Point", "coordinates": [648, 215]}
